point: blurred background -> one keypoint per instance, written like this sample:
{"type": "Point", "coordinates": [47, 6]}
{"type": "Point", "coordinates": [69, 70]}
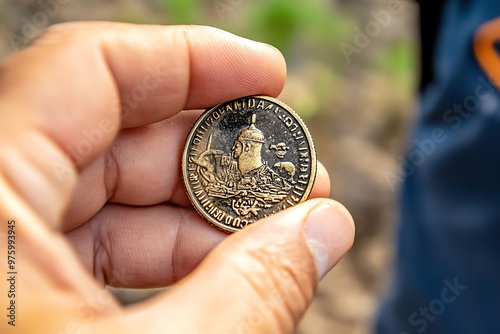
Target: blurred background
{"type": "Point", "coordinates": [352, 76]}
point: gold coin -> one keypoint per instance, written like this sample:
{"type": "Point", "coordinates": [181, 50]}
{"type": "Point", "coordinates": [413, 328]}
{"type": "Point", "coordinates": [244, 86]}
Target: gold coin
{"type": "Point", "coordinates": [247, 159]}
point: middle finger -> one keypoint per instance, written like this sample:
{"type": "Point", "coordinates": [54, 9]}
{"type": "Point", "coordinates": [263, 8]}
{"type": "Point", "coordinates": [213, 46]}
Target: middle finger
{"type": "Point", "coordinates": [142, 167]}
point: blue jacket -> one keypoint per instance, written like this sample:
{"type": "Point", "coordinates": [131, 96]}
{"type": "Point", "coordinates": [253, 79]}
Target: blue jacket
{"type": "Point", "coordinates": [447, 275]}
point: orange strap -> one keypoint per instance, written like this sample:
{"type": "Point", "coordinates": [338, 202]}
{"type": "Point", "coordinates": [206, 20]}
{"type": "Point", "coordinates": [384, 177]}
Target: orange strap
{"type": "Point", "coordinates": [484, 49]}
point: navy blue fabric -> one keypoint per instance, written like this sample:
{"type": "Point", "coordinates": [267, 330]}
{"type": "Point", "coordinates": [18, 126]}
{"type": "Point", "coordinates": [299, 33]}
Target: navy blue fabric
{"type": "Point", "coordinates": [447, 275]}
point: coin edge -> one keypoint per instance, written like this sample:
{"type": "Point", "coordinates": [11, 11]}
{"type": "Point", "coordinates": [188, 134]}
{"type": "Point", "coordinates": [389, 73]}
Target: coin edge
{"type": "Point", "coordinates": [296, 116]}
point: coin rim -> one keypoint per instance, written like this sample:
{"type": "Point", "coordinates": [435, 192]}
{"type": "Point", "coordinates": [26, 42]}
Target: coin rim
{"type": "Point", "coordinates": [202, 212]}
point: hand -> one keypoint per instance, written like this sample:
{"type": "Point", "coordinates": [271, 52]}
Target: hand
{"type": "Point", "coordinates": [91, 133]}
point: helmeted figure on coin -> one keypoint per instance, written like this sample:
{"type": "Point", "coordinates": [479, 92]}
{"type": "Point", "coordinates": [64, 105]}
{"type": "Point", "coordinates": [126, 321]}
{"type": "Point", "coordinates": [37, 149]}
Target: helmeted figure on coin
{"type": "Point", "coordinates": [247, 150]}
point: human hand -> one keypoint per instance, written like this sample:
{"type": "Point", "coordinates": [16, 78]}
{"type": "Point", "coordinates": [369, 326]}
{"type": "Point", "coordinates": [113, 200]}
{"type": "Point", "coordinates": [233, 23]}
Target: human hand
{"type": "Point", "coordinates": [91, 136]}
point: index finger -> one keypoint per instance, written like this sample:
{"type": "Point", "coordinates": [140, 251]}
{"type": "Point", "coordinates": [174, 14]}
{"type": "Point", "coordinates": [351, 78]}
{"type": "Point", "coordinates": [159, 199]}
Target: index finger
{"type": "Point", "coordinates": [83, 76]}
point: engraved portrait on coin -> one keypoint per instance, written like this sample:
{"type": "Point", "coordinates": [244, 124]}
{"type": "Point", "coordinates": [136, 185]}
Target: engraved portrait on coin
{"type": "Point", "coordinates": [247, 159]}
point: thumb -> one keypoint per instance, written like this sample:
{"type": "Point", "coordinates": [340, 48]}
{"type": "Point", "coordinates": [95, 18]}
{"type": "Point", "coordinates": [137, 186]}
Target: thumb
{"type": "Point", "coordinates": [259, 280]}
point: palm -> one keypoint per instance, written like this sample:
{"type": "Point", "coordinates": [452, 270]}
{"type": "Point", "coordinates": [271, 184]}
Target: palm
{"type": "Point", "coordinates": [130, 219]}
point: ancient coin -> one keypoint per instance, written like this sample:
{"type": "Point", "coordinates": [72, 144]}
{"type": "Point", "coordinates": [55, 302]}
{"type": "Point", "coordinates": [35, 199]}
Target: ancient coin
{"type": "Point", "coordinates": [247, 159]}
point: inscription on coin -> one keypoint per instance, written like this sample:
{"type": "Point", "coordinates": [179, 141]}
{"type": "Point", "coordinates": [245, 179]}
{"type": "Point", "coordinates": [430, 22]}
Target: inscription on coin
{"type": "Point", "coordinates": [247, 159]}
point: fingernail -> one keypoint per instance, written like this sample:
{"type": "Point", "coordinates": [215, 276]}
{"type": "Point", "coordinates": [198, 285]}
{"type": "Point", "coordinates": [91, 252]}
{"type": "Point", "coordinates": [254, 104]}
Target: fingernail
{"type": "Point", "coordinates": [329, 230]}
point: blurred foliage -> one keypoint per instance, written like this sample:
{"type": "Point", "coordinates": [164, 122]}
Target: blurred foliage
{"type": "Point", "coordinates": [285, 24]}
{"type": "Point", "coordinates": [182, 11]}
{"type": "Point", "coordinates": [398, 61]}
{"type": "Point", "coordinates": [308, 33]}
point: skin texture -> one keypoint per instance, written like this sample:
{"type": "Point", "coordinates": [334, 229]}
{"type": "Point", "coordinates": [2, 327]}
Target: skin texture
{"type": "Point", "coordinates": [93, 117]}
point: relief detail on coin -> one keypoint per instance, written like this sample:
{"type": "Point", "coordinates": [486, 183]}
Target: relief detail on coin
{"type": "Point", "coordinates": [247, 159]}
